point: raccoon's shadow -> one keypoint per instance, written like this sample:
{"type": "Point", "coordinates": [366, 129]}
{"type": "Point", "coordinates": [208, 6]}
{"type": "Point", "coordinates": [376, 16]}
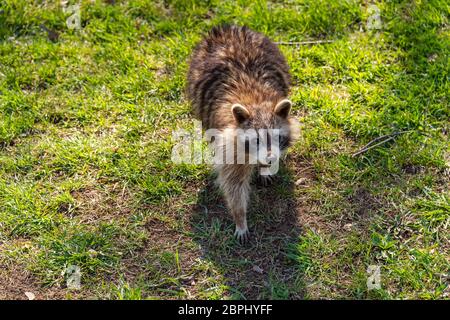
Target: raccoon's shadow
{"type": "Point", "coordinates": [262, 268]}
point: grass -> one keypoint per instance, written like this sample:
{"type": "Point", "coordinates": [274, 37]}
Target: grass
{"type": "Point", "coordinates": [86, 119]}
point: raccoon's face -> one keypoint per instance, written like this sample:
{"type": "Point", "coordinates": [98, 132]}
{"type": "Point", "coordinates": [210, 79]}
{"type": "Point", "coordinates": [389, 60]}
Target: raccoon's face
{"type": "Point", "coordinates": [265, 132]}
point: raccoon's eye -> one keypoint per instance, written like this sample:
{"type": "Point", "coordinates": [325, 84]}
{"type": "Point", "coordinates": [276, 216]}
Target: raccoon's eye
{"type": "Point", "coordinates": [284, 142]}
{"type": "Point", "coordinates": [254, 142]}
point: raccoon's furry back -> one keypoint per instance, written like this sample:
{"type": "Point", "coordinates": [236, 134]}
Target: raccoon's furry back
{"type": "Point", "coordinates": [234, 64]}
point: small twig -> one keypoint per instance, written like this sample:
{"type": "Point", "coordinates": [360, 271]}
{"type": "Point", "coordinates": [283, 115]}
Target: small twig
{"type": "Point", "coordinates": [300, 43]}
{"type": "Point", "coordinates": [371, 147]}
{"type": "Point", "coordinates": [386, 137]}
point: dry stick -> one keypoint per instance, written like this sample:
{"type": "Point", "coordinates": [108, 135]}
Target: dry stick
{"type": "Point", "coordinates": [385, 136]}
{"type": "Point", "coordinates": [370, 145]}
{"type": "Point", "coordinates": [290, 43]}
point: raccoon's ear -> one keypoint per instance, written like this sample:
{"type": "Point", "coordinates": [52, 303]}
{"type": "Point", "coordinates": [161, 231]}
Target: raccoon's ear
{"type": "Point", "coordinates": [283, 108]}
{"type": "Point", "coordinates": [240, 113]}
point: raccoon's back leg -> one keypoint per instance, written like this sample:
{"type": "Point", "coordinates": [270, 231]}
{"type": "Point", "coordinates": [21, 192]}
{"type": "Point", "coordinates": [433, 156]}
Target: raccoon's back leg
{"type": "Point", "coordinates": [234, 180]}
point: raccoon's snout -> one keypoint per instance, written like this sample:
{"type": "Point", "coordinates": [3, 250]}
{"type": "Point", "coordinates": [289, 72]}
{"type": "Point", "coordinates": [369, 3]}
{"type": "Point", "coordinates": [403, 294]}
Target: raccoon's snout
{"type": "Point", "coordinates": [268, 160]}
{"type": "Point", "coordinates": [271, 158]}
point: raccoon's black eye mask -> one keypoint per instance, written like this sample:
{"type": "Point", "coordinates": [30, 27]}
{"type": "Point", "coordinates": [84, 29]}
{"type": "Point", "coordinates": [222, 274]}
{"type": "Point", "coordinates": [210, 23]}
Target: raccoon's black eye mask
{"type": "Point", "coordinates": [284, 142]}
{"type": "Point", "coordinates": [254, 141]}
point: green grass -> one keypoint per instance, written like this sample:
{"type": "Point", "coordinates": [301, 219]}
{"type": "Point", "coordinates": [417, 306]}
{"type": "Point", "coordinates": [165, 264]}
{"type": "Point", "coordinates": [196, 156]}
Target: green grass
{"type": "Point", "coordinates": [86, 177]}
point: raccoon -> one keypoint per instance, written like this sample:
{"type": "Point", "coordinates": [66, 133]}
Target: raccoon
{"type": "Point", "coordinates": [239, 79]}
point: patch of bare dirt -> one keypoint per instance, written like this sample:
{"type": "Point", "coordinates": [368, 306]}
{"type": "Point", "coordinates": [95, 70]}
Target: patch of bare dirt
{"type": "Point", "coordinates": [104, 203]}
{"type": "Point", "coordinates": [15, 282]}
{"type": "Point", "coordinates": [363, 202]}
{"type": "Point", "coordinates": [18, 283]}
{"type": "Point", "coordinates": [165, 233]}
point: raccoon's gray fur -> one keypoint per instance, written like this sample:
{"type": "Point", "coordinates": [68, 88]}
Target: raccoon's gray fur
{"type": "Point", "coordinates": [239, 79]}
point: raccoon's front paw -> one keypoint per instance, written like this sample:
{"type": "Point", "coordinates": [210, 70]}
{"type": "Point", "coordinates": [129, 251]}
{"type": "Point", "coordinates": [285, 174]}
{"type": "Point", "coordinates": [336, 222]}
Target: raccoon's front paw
{"type": "Point", "coordinates": [242, 235]}
{"type": "Point", "coordinates": [265, 180]}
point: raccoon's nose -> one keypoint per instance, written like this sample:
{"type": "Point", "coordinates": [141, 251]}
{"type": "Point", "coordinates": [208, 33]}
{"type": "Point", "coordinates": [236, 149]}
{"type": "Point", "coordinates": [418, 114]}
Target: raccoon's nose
{"type": "Point", "coordinates": [271, 158]}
